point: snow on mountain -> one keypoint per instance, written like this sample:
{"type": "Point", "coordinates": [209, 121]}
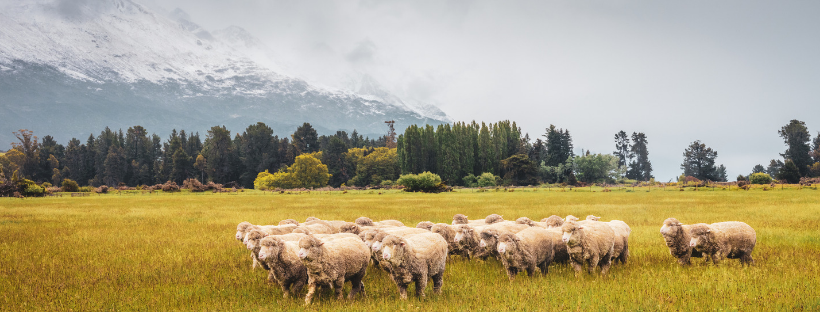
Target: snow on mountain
{"type": "Point", "coordinates": [116, 63]}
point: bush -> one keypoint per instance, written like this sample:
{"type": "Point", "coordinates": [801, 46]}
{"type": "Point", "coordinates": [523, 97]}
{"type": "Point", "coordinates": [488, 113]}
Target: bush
{"type": "Point", "coordinates": [102, 189]}
{"type": "Point", "coordinates": [170, 186]}
{"type": "Point", "coordinates": [470, 180]}
{"type": "Point", "coordinates": [760, 178]}
{"type": "Point", "coordinates": [423, 182]}
{"type": "Point", "coordinates": [85, 189]}
{"type": "Point", "coordinates": [28, 188]}
{"type": "Point", "coordinates": [69, 185]}
{"type": "Point", "coordinates": [387, 183]}
{"type": "Point", "coordinates": [194, 185]}
{"type": "Point", "coordinates": [45, 185]}
{"type": "Point", "coordinates": [487, 180]}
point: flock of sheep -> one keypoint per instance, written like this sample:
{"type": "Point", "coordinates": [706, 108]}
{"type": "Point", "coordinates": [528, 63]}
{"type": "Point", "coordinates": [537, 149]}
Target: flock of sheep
{"type": "Point", "coordinates": [321, 253]}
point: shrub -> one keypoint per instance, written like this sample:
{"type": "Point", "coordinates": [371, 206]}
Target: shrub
{"type": "Point", "coordinates": [760, 178]}
{"type": "Point", "coordinates": [70, 186]}
{"type": "Point", "coordinates": [194, 185]}
{"type": "Point", "coordinates": [387, 183]}
{"type": "Point", "coordinates": [470, 180]}
{"type": "Point", "coordinates": [102, 189]}
{"type": "Point", "coordinates": [487, 180]}
{"type": "Point", "coordinates": [170, 186]}
{"type": "Point", "coordinates": [422, 182]}
{"type": "Point", "coordinates": [45, 185]}
{"type": "Point", "coordinates": [307, 171]}
{"type": "Point", "coordinates": [28, 188]}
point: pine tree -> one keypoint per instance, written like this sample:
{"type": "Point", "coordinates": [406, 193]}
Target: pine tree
{"type": "Point", "coordinates": [305, 140]}
{"type": "Point", "coordinates": [623, 150]}
{"type": "Point", "coordinates": [699, 162]}
{"type": "Point", "coordinates": [797, 137]}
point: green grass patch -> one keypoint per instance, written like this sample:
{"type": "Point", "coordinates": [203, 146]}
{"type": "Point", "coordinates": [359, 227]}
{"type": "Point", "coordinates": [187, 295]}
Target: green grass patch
{"type": "Point", "coordinates": [159, 251]}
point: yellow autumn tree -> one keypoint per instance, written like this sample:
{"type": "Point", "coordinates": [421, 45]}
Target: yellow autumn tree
{"type": "Point", "coordinates": [307, 171]}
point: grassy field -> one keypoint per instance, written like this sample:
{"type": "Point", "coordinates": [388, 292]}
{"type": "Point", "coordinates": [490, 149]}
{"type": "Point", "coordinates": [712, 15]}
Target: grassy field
{"type": "Point", "coordinates": [178, 252]}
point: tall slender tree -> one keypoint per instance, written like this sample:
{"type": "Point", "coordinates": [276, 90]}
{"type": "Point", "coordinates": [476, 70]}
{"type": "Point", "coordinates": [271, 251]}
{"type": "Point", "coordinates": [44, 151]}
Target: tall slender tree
{"type": "Point", "coordinates": [623, 150]}
{"type": "Point", "coordinates": [797, 137]}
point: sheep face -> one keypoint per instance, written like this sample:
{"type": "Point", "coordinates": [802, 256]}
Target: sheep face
{"type": "Point", "coordinates": [271, 247]}
{"type": "Point", "coordinates": [507, 243]}
{"type": "Point", "coordinates": [241, 229]}
{"type": "Point", "coordinates": [253, 237]}
{"type": "Point", "coordinates": [571, 218]}
{"type": "Point", "coordinates": [364, 221]}
{"type": "Point", "coordinates": [425, 225]}
{"type": "Point", "coordinates": [310, 248]}
{"type": "Point", "coordinates": [593, 218]}
{"type": "Point", "coordinates": [350, 227]}
{"type": "Point", "coordinates": [460, 219]}
{"type": "Point", "coordinates": [670, 230]}
{"type": "Point", "coordinates": [461, 231]}
{"type": "Point", "coordinates": [489, 238]}
{"type": "Point", "coordinates": [393, 248]}
{"type": "Point", "coordinates": [572, 233]}
{"type": "Point", "coordinates": [700, 237]}
{"type": "Point", "coordinates": [377, 243]}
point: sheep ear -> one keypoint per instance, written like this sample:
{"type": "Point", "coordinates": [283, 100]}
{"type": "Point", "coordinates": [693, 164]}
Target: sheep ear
{"type": "Point", "coordinates": [321, 243]}
{"type": "Point", "coordinates": [581, 227]}
{"type": "Point", "coordinates": [401, 244]}
{"type": "Point", "coordinates": [709, 231]}
{"type": "Point", "coordinates": [266, 235]}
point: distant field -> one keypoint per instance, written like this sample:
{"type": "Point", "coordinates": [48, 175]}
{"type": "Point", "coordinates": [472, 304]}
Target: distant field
{"type": "Point", "coordinates": [178, 252]}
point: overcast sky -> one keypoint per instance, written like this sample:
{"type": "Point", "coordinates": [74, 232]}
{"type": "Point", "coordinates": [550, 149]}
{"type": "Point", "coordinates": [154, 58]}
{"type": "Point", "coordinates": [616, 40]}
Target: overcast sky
{"type": "Point", "coordinates": [728, 73]}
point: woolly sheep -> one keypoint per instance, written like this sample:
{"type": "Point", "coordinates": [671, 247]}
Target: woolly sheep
{"type": "Point", "coordinates": [316, 227]}
{"type": "Point", "coordinates": [365, 221]}
{"type": "Point", "coordinates": [488, 243]}
{"type": "Point", "coordinates": [590, 243]}
{"type": "Point", "coordinates": [462, 219]}
{"type": "Point", "coordinates": [731, 240]}
{"type": "Point", "coordinates": [571, 218]}
{"type": "Point", "coordinates": [251, 241]}
{"type": "Point", "coordinates": [467, 240]}
{"type": "Point", "coordinates": [242, 229]}
{"type": "Point", "coordinates": [312, 219]}
{"type": "Point", "coordinates": [288, 221]}
{"type": "Point", "coordinates": [560, 254]}
{"type": "Point", "coordinates": [333, 263]}
{"type": "Point", "coordinates": [416, 258]}
{"type": "Point", "coordinates": [593, 218]}
{"type": "Point", "coordinates": [677, 237]}
{"type": "Point", "coordinates": [525, 251]}
{"type": "Point", "coordinates": [285, 266]}
{"type": "Point", "coordinates": [377, 239]}
{"type": "Point", "coordinates": [448, 232]}
{"type": "Point", "coordinates": [528, 221]}
{"type": "Point", "coordinates": [620, 250]}
{"type": "Point", "coordinates": [553, 221]}
{"type": "Point", "coordinates": [493, 218]}
{"type": "Point", "coordinates": [425, 225]}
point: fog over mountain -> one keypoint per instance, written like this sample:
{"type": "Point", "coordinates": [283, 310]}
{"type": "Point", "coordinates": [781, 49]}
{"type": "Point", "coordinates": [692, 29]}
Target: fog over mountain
{"type": "Point", "coordinates": [71, 68]}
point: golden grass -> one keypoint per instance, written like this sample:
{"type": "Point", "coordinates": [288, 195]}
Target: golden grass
{"type": "Point", "coordinates": [178, 252]}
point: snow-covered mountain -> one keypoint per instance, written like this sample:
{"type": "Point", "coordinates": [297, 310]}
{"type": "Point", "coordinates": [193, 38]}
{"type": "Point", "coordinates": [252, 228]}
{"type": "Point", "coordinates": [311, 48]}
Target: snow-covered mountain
{"type": "Point", "coordinates": [70, 68]}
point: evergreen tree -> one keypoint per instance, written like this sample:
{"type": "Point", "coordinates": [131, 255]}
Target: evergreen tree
{"type": "Point", "coordinates": [622, 149]}
{"type": "Point", "coordinates": [258, 151]}
{"type": "Point", "coordinates": [30, 148]}
{"type": "Point", "coordinates": [305, 140]}
{"type": "Point", "coordinates": [699, 162]}
{"type": "Point", "coordinates": [559, 146]}
{"type": "Point", "coordinates": [790, 173]}
{"type": "Point", "coordinates": [115, 166]}
{"type": "Point", "coordinates": [774, 167]}
{"type": "Point", "coordinates": [519, 170]}
{"type": "Point", "coordinates": [758, 169]}
{"type": "Point", "coordinates": [218, 150]}
{"type": "Point", "coordinates": [797, 137]}
{"type": "Point", "coordinates": [182, 166]}
{"type": "Point", "coordinates": [641, 168]}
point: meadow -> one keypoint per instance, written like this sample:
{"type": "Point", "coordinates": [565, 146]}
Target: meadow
{"type": "Point", "coordinates": [136, 251]}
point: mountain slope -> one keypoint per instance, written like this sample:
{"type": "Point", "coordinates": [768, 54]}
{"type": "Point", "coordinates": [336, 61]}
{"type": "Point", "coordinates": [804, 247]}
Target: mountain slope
{"type": "Point", "coordinates": [72, 71]}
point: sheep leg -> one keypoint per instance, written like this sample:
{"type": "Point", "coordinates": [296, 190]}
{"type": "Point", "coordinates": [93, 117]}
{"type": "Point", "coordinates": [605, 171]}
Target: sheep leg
{"type": "Point", "coordinates": [594, 262]}
{"type": "Point", "coordinates": [545, 267]}
{"type": "Point", "coordinates": [606, 263]}
{"type": "Point", "coordinates": [625, 254]}
{"type": "Point", "coordinates": [530, 271]}
{"type": "Point", "coordinates": [577, 266]}
{"type": "Point", "coordinates": [511, 273]}
{"type": "Point", "coordinates": [297, 286]}
{"type": "Point", "coordinates": [438, 281]}
{"type": "Point", "coordinates": [311, 291]}
{"type": "Point", "coordinates": [356, 286]}
{"type": "Point", "coordinates": [337, 288]}
{"type": "Point", "coordinates": [421, 284]}
{"type": "Point", "coordinates": [402, 290]}
{"type": "Point", "coordinates": [746, 259]}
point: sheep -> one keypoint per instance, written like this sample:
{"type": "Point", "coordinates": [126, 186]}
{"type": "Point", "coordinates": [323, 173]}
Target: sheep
{"type": "Point", "coordinates": [289, 221]}
{"type": "Point", "coordinates": [571, 218]}
{"type": "Point", "coordinates": [316, 227]}
{"type": "Point", "coordinates": [731, 240]}
{"type": "Point", "coordinates": [425, 225]}
{"type": "Point", "coordinates": [333, 263]}
{"type": "Point", "coordinates": [593, 218]}
{"type": "Point", "coordinates": [350, 227]}
{"type": "Point", "coordinates": [416, 258]}
{"type": "Point", "coordinates": [488, 238]}
{"type": "Point", "coordinates": [365, 221]}
{"type": "Point", "coordinates": [493, 218]}
{"type": "Point", "coordinates": [560, 254]}
{"type": "Point", "coordinates": [312, 219]}
{"type": "Point", "coordinates": [678, 237]}
{"type": "Point", "coordinates": [621, 247]}
{"type": "Point", "coordinates": [467, 240]}
{"type": "Point", "coordinates": [242, 229]}
{"type": "Point", "coordinates": [285, 266]}
{"type": "Point", "coordinates": [525, 251]}
{"type": "Point", "coordinates": [528, 221]}
{"type": "Point", "coordinates": [378, 236]}
{"type": "Point", "coordinates": [553, 221]}
{"type": "Point", "coordinates": [462, 219]}
{"type": "Point", "coordinates": [448, 232]}
{"type": "Point", "coordinates": [589, 242]}
{"type": "Point", "coordinates": [337, 225]}
{"type": "Point", "coordinates": [251, 241]}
